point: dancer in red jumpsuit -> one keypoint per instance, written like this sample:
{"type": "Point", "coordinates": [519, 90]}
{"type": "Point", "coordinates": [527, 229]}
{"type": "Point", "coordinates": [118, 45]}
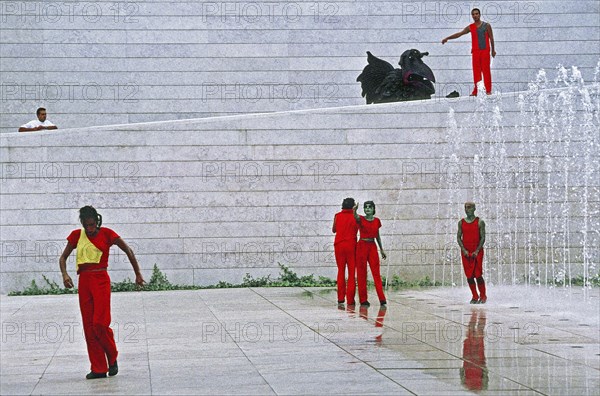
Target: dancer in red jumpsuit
{"type": "Point", "coordinates": [482, 44]}
{"type": "Point", "coordinates": [93, 245]}
{"type": "Point", "coordinates": [470, 238]}
{"type": "Point", "coordinates": [345, 229]}
{"type": "Point", "coordinates": [366, 251]}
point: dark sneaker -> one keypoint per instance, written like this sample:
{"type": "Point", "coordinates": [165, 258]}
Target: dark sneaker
{"type": "Point", "coordinates": [92, 375]}
{"type": "Point", "coordinates": [383, 302]}
{"type": "Point", "coordinates": [482, 300]}
{"type": "Point", "coordinates": [365, 304]}
{"type": "Point", "coordinates": [474, 301]}
{"type": "Point", "coordinates": [113, 369]}
{"type": "Point", "coordinates": [341, 302]}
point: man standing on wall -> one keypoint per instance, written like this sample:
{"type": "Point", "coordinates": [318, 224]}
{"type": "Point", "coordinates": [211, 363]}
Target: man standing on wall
{"type": "Point", "coordinates": [482, 41]}
{"type": "Point", "coordinates": [38, 125]}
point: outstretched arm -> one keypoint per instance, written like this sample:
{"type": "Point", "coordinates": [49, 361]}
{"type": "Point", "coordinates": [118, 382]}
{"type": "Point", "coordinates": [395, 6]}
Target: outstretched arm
{"type": "Point", "coordinates": [139, 280]}
{"type": "Point", "coordinates": [456, 35]}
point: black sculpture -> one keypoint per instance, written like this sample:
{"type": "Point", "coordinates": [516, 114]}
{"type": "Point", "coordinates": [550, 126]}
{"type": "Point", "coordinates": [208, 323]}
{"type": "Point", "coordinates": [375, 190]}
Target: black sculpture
{"type": "Point", "coordinates": [381, 83]}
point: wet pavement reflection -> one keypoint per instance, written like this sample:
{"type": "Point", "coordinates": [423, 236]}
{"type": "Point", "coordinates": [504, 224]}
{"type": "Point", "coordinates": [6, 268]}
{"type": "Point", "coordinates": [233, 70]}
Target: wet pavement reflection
{"type": "Point", "coordinates": [473, 373]}
{"type": "Point", "coordinates": [280, 341]}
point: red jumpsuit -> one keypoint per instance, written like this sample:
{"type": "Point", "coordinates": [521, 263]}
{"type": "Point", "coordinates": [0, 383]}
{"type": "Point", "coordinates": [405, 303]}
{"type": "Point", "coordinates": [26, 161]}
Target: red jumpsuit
{"type": "Point", "coordinates": [470, 237]}
{"type": "Point", "coordinates": [366, 251]}
{"type": "Point", "coordinates": [480, 50]}
{"type": "Point", "coordinates": [94, 295]}
{"type": "Point", "coordinates": [473, 266]}
{"type": "Point", "coordinates": [344, 246]}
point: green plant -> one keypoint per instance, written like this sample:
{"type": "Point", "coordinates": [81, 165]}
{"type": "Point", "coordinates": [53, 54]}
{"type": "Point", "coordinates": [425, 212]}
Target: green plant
{"type": "Point", "coordinates": [124, 286]}
{"type": "Point", "coordinates": [249, 281]}
{"type": "Point", "coordinates": [287, 278]}
{"type": "Point", "coordinates": [51, 288]}
{"type": "Point", "coordinates": [593, 281]}
{"type": "Point", "coordinates": [223, 285]}
{"type": "Point", "coordinates": [158, 281]}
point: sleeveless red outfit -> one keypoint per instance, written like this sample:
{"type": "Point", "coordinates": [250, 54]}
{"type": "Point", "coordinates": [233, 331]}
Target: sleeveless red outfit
{"type": "Point", "coordinates": [473, 266]}
{"type": "Point", "coordinates": [480, 51]}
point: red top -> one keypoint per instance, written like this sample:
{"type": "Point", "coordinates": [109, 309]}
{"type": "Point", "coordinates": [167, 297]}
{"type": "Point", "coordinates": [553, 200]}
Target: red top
{"type": "Point", "coordinates": [103, 240]}
{"type": "Point", "coordinates": [369, 229]}
{"type": "Point", "coordinates": [345, 226]}
{"type": "Point", "coordinates": [480, 39]}
{"type": "Point", "coordinates": [470, 234]}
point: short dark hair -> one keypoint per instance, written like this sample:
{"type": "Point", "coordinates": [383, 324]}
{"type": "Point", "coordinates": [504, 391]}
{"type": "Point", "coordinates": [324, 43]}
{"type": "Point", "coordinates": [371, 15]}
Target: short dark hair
{"type": "Point", "coordinates": [89, 212]}
{"type": "Point", "coordinates": [371, 203]}
{"type": "Point", "coordinates": [348, 203]}
{"type": "Point", "coordinates": [476, 9]}
{"type": "Point", "coordinates": [38, 111]}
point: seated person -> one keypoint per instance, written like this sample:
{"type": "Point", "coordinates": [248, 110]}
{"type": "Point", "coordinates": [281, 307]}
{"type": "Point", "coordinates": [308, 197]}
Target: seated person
{"type": "Point", "coordinates": [38, 125]}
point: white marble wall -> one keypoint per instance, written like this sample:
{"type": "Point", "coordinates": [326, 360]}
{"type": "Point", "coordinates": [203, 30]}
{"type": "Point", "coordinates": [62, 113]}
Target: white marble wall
{"type": "Point", "coordinates": [210, 200]}
{"type": "Point", "coordinates": [104, 62]}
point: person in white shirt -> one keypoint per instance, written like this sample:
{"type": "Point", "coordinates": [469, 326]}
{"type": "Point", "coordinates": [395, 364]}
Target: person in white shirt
{"type": "Point", "coordinates": [38, 125]}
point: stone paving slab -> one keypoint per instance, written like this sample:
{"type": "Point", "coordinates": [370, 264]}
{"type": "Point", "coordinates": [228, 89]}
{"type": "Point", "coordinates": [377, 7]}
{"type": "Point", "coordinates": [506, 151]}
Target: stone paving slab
{"type": "Point", "coordinates": [287, 341]}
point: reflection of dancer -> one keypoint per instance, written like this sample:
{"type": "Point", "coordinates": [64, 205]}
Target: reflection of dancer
{"type": "Point", "coordinates": [93, 245]}
{"type": "Point", "coordinates": [379, 321]}
{"type": "Point", "coordinates": [474, 372]}
{"type": "Point", "coordinates": [366, 251]}
{"type": "Point", "coordinates": [364, 313]}
{"type": "Point", "coordinates": [470, 238]}
{"type": "Point", "coordinates": [345, 229]}
{"type": "Point", "coordinates": [482, 39]}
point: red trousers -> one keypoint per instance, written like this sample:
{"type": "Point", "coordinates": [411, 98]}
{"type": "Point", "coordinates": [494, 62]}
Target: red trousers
{"type": "Point", "coordinates": [345, 256]}
{"type": "Point", "coordinates": [367, 252]}
{"type": "Point", "coordinates": [473, 266]}
{"type": "Point", "coordinates": [481, 65]}
{"type": "Point", "coordinates": [94, 302]}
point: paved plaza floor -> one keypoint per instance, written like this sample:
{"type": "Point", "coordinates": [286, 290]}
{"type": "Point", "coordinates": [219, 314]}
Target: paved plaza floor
{"type": "Point", "coordinates": [280, 341]}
